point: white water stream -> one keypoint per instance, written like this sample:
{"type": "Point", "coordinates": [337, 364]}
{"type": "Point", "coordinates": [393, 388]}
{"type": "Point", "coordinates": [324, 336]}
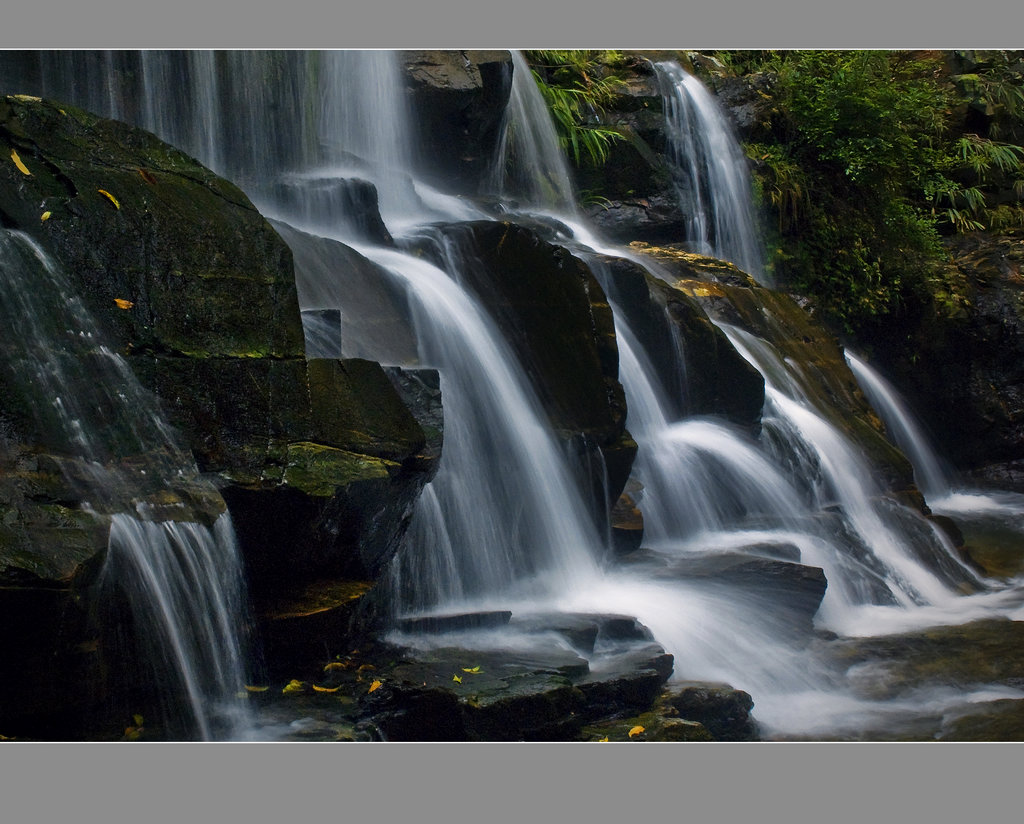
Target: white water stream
{"type": "Point", "coordinates": [503, 524]}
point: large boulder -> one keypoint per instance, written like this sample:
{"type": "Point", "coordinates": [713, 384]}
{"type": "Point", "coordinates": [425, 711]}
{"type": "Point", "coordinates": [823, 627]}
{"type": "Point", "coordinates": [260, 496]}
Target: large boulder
{"type": "Point", "coordinates": [319, 461]}
{"type": "Point", "coordinates": [696, 365]}
{"type": "Point", "coordinates": [730, 296]}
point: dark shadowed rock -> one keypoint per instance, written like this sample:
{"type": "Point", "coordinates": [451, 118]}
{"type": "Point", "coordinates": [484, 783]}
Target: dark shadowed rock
{"type": "Point", "coordinates": [459, 99]}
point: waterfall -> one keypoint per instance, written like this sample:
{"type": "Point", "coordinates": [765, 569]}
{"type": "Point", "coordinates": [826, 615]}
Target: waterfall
{"type": "Point", "coordinates": [933, 480]}
{"type": "Point", "coordinates": [503, 523]}
{"type": "Point", "coordinates": [529, 164]}
{"type": "Point", "coordinates": [181, 578]}
{"type": "Point", "coordinates": [709, 172]}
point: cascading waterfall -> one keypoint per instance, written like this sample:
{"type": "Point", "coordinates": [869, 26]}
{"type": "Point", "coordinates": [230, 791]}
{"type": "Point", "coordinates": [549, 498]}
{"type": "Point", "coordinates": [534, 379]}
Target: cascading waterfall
{"type": "Point", "coordinates": [181, 578]}
{"type": "Point", "coordinates": [504, 519]}
{"type": "Point", "coordinates": [710, 172]}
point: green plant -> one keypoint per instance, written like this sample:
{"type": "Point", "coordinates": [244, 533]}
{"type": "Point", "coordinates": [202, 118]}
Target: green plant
{"type": "Point", "coordinates": [577, 89]}
{"type": "Point", "coordinates": [867, 159]}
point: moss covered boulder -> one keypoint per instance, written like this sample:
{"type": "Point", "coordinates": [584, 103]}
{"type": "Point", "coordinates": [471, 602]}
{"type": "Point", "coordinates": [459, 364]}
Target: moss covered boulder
{"type": "Point", "coordinates": [318, 461]}
{"type": "Point", "coordinates": [730, 296]}
{"type": "Point", "coordinates": [695, 364]}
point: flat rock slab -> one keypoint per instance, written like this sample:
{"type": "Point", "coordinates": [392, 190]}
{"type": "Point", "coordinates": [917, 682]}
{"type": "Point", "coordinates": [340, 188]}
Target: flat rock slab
{"type": "Point", "coordinates": [989, 651]}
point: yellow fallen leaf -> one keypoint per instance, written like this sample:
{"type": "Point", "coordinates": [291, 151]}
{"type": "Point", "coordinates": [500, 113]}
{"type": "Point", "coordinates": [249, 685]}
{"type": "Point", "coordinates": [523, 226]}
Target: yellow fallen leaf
{"type": "Point", "coordinates": [17, 162]}
{"type": "Point", "coordinates": [335, 689]}
{"type": "Point", "coordinates": [456, 679]}
{"type": "Point", "coordinates": [469, 669]}
{"type": "Point", "coordinates": [45, 216]}
{"type": "Point", "coordinates": [636, 730]}
{"type": "Point", "coordinates": [366, 667]}
{"type": "Point", "coordinates": [249, 688]}
{"type": "Point", "coordinates": [123, 304]}
{"type": "Point", "coordinates": [110, 197]}
{"type": "Point", "coordinates": [293, 686]}
{"type": "Point", "coordinates": [599, 740]}
{"type": "Point", "coordinates": [137, 719]}
{"type": "Point", "coordinates": [147, 176]}
{"type": "Point", "coordinates": [28, 98]}
{"type": "Point", "coordinates": [335, 665]}
{"type": "Point", "coordinates": [373, 686]}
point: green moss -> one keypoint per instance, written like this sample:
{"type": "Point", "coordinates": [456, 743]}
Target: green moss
{"type": "Point", "coordinates": [320, 470]}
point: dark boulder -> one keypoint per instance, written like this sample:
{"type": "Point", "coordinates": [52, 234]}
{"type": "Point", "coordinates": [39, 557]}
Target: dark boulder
{"type": "Point", "coordinates": [318, 461]}
{"type": "Point", "coordinates": [459, 99]}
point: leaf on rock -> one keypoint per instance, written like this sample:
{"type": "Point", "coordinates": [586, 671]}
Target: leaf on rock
{"type": "Point", "coordinates": [45, 216]}
{"type": "Point", "coordinates": [336, 665]}
{"type": "Point", "coordinates": [123, 304]}
{"type": "Point", "coordinates": [601, 740]}
{"type": "Point", "coordinates": [148, 177]}
{"type": "Point", "coordinates": [109, 197]}
{"type": "Point", "coordinates": [636, 731]}
{"type": "Point", "coordinates": [137, 719]}
{"type": "Point", "coordinates": [471, 669]}
{"type": "Point", "coordinates": [456, 679]}
{"type": "Point", "coordinates": [293, 686]}
{"type": "Point", "coordinates": [17, 162]}
{"type": "Point", "coordinates": [249, 688]}
{"type": "Point", "coordinates": [333, 689]}
{"type": "Point", "coordinates": [373, 686]}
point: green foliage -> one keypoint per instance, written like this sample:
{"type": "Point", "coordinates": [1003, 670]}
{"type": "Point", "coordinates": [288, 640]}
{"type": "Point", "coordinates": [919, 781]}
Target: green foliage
{"type": "Point", "coordinates": [577, 88]}
{"type": "Point", "coordinates": [865, 164]}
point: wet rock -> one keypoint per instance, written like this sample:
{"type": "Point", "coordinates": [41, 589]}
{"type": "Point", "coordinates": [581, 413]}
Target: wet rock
{"type": "Point", "coordinates": [981, 652]}
{"type": "Point", "coordinates": [459, 100]}
{"type": "Point", "coordinates": [627, 525]}
{"type": "Point", "coordinates": [723, 710]}
{"type": "Point", "coordinates": [1000, 720]}
{"type": "Point", "coordinates": [555, 316]}
{"type": "Point", "coordinates": [787, 594]}
{"type": "Point", "coordinates": [584, 630]}
{"type": "Point", "coordinates": [454, 623]}
{"type": "Point", "coordinates": [626, 682]}
{"type": "Point", "coordinates": [697, 367]}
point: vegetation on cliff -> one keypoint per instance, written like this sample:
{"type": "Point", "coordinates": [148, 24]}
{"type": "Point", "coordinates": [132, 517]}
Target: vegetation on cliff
{"type": "Point", "coordinates": [867, 158]}
{"type": "Point", "coordinates": [578, 86]}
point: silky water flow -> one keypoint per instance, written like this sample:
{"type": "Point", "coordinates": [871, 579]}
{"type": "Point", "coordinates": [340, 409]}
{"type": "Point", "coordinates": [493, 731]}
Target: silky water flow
{"type": "Point", "coordinates": [515, 533]}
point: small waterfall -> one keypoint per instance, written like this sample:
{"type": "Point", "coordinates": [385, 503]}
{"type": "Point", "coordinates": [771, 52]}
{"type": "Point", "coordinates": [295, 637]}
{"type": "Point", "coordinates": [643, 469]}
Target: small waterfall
{"type": "Point", "coordinates": [820, 452]}
{"type": "Point", "coordinates": [503, 514]}
{"type": "Point", "coordinates": [709, 172]}
{"type": "Point", "coordinates": [931, 477]}
{"type": "Point", "coordinates": [182, 579]}
{"type": "Point", "coordinates": [530, 165]}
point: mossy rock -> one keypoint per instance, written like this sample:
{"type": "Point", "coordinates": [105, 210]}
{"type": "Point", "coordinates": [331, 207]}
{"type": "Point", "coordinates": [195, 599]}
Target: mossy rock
{"type": "Point", "coordinates": [731, 296]}
{"type": "Point", "coordinates": [670, 324]}
{"type": "Point", "coordinates": [135, 220]}
{"type": "Point", "coordinates": [981, 652]}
